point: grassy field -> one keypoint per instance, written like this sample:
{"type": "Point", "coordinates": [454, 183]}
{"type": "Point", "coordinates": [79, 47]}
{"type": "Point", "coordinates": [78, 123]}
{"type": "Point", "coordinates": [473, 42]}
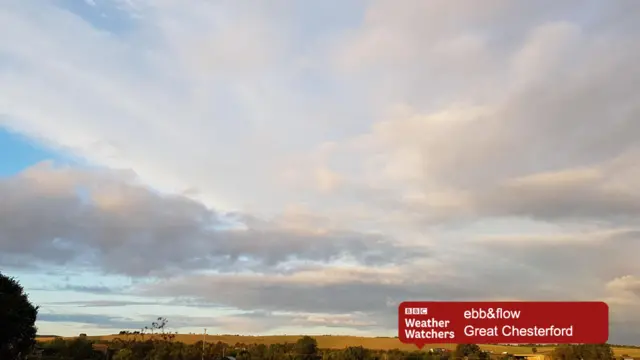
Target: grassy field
{"type": "Point", "coordinates": [340, 342]}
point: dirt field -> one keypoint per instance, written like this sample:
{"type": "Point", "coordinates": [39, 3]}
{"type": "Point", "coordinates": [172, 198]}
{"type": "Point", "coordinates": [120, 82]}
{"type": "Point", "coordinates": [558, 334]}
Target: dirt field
{"type": "Point", "coordinates": [340, 342]}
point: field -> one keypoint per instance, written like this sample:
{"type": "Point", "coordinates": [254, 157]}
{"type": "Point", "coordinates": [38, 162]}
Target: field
{"type": "Point", "coordinates": [340, 342]}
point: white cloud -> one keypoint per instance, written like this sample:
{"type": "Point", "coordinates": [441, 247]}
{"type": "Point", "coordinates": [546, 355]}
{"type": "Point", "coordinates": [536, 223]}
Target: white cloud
{"type": "Point", "coordinates": [401, 124]}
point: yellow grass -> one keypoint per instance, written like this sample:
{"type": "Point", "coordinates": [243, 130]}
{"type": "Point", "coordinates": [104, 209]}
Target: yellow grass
{"type": "Point", "coordinates": [340, 342]}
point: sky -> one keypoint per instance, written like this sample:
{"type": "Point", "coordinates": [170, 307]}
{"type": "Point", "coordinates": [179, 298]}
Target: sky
{"type": "Point", "coordinates": [293, 167]}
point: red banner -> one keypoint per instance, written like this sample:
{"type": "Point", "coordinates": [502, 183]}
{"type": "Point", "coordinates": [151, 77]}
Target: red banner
{"type": "Point", "coordinates": [424, 322]}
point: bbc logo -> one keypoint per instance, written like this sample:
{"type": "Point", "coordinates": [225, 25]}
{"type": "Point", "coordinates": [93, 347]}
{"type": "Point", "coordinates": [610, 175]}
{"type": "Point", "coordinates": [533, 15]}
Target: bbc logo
{"type": "Point", "coordinates": [416, 311]}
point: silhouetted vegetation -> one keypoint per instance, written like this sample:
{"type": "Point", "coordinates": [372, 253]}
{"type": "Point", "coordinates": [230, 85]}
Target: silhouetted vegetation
{"type": "Point", "coordinates": [160, 349]}
{"type": "Point", "coordinates": [590, 352]}
{"type": "Point", "coordinates": [153, 343]}
{"type": "Point", "coordinates": [470, 351]}
{"type": "Point", "coordinates": [17, 320]}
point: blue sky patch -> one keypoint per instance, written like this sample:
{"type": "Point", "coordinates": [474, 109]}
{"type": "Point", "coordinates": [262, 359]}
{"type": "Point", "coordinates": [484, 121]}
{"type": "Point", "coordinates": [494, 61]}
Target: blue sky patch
{"type": "Point", "coordinates": [18, 152]}
{"type": "Point", "coordinates": [101, 14]}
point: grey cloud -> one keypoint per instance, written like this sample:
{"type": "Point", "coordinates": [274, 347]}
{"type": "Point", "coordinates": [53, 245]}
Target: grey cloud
{"type": "Point", "coordinates": [624, 332]}
{"type": "Point", "coordinates": [559, 124]}
{"type": "Point", "coordinates": [370, 300]}
{"type": "Point", "coordinates": [101, 321]}
{"type": "Point", "coordinates": [122, 323]}
{"type": "Point", "coordinates": [260, 321]}
{"type": "Point", "coordinates": [103, 290]}
{"type": "Point", "coordinates": [625, 323]}
{"type": "Point", "coordinates": [104, 303]}
{"type": "Point", "coordinates": [583, 262]}
{"type": "Point", "coordinates": [342, 297]}
{"type": "Point", "coordinates": [264, 294]}
{"type": "Point", "coordinates": [99, 218]}
{"type": "Point", "coordinates": [90, 289]}
{"type": "Point", "coordinates": [374, 296]}
{"type": "Point", "coordinates": [573, 266]}
{"type": "Point", "coordinates": [246, 323]}
{"type": "Point", "coordinates": [605, 193]}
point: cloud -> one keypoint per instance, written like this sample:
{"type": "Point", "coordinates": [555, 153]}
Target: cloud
{"type": "Point", "coordinates": [388, 97]}
{"type": "Point", "coordinates": [103, 303]}
{"type": "Point", "coordinates": [623, 300]}
{"type": "Point", "coordinates": [246, 323]}
{"type": "Point", "coordinates": [437, 150]}
{"type": "Point", "coordinates": [319, 290]}
{"type": "Point", "coordinates": [598, 256]}
{"type": "Point", "coordinates": [565, 267]}
{"type": "Point", "coordinates": [603, 193]}
{"type": "Point", "coordinates": [627, 284]}
{"type": "Point", "coordinates": [101, 219]}
{"type": "Point", "coordinates": [89, 289]}
{"type": "Point", "coordinates": [101, 321]}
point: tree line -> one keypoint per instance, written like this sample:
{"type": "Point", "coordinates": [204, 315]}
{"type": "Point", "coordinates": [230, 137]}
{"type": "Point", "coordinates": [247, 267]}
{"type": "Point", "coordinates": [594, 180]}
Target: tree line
{"type": "Point", "coordinates": [163, 347]}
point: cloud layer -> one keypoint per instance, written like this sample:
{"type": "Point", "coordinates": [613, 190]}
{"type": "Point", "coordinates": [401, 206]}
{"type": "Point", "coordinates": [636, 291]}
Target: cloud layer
{"type": "Point", "coordinates": [326, 165]}
{"type": "Point", "coordinates": [93, 218]}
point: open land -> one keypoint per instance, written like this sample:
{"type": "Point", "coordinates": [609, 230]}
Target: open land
{"type": "Point", "coordinates": [340, 342]}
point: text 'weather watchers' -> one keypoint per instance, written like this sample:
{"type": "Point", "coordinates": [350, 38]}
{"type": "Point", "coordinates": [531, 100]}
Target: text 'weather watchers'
{"type": "Point", "coordinates": [422, 323]}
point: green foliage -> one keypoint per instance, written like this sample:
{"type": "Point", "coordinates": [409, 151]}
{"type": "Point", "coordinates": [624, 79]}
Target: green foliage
{"type": "Point", "coordinates": [139, 347]}
{"type": "Point", "coordinates": [76, 349]}
{"type": "Point", "coordinates": [578, 352]}
{"type": "Point", "coordinates": [17, 320]}
{"type": "Point", "coordinates": [306, 346]}
{"type": "Point", "coordinates": [470, 351]}
{"type": "Point", "coordinates": [124, 354]}
{"type": "Point", "coordinates": [355, 353]}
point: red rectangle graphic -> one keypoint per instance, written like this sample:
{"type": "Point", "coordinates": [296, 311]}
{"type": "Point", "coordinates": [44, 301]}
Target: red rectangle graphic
{"type": "Point", "coordinates": [512, 322]}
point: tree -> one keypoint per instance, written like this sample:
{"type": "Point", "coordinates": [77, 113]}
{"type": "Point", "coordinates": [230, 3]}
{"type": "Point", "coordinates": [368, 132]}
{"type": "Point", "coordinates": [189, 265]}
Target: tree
{"type": "Point", "coordinates": [469, 351]}
{"type": "Point", "coordinates": [161, 339]}
{"type": "Point", "coordinates": [17, 319]}
{"type": "Point", "coordinates": [355, 353]}
{"type": "Point", "coordinates": [306, 348]}
{"type": "Point", "coordinates": [81, 349]}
